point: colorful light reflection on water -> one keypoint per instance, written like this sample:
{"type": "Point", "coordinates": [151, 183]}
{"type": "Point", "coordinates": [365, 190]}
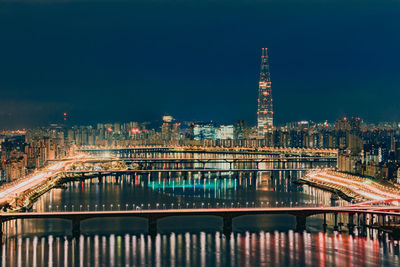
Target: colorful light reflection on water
{"type": "Point", "coordinates": [189, 241]}
{"type": "Point", "coordinates": [202, 249]}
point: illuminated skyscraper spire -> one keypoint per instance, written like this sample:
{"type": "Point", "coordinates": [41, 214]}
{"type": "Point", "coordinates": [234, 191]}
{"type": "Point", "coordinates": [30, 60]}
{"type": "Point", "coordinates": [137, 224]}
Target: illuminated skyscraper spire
{"type": "Point", "coordinates": [265, 114]}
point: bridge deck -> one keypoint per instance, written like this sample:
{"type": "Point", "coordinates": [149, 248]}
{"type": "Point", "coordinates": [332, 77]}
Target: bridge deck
{"type": "Point", "coordinates": [285, 159]}
{"type": "Point", "coordinates": [188, 170]}
{"type": "Point", "coordinates": [230, 212]}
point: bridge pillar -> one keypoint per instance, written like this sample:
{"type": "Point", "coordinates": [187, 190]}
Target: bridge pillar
{"type": "Point", "coordinates": [350, 225]}
{"type": "Point", "coordinates": [227, 226]}
{"type": "Point", "coordinates": [76, 228]}
{"type": "Point", "coordinates": [361, 223]}
{"type": "Point", "coordinates": [301, 221]}
{"type": "Point", "coordinates": [325, 225]}
{"type": "Point", "coordinates": [336, 227]}
{"type": "Point", "coordinates": [152, 226]}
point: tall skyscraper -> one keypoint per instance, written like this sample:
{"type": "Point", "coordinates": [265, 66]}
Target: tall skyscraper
{"type": "Point", "coordinates": [265, 114]}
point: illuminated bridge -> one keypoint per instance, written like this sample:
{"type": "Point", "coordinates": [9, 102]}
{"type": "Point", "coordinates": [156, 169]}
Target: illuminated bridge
{"type": "Point", "coordinates": [374, 215]}
{"type": "Point", "coordinates": [157, 151]}
{"type": "Point", "coordinates": [182, 172]}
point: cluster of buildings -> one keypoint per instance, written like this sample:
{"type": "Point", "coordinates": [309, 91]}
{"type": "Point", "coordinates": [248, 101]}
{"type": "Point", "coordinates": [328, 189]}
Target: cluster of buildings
{"type": "Point", "coordinates": [365, 149]}
{"type": "Point", "coordinates": [32, 149]}
{"type": "Point", "coordinates": [369, 150]}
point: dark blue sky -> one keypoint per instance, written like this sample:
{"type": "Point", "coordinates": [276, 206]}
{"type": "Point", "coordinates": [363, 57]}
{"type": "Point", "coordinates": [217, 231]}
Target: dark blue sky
{"type": "Point", "coordinates": [197, 60]}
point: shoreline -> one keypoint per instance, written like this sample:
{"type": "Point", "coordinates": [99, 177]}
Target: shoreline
{"type": "Point", "coordinates": [61, 179]}
{"type": "Point", "coordinates": [29, 198]}
{"type": "Point", "coordinates": [26, 200]}
{"type": "Point", "coordinates": [349, 186]}
{"type": "Point", "coordinates": [340, 193]}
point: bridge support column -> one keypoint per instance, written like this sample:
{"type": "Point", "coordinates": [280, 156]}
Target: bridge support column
{"type": "Point", "coordinates": [227, 226]}
{"type": "Point", "coordinates": [76, 228]}
{"type": "Point", "coordinates": [1, 232]}
{"type": "Point", "coordinates": [336, 227]}
{"type": "Point", "coordinates": [325, 225]}
{"type": "Point", "coordinates": [301, 221]}
{"type": "Point", "coordinates": [152, 226]}
{"type": "Point", "coordinates": [350, 225]}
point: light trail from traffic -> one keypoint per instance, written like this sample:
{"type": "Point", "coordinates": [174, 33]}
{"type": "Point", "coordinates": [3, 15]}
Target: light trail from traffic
{"type": "Point", "coordinates": [366, 188]}
{"type": "Point", "coordinates": [10, 191]}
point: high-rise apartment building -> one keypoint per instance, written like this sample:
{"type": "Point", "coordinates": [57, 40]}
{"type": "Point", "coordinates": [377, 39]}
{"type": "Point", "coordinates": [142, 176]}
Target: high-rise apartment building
{"type": "Point", "coordinates": [265, 114]}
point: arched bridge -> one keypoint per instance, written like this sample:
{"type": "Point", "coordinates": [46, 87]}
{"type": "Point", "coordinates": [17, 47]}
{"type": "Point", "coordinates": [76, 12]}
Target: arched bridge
{"type": "Point", "coordinates": [227, 214]}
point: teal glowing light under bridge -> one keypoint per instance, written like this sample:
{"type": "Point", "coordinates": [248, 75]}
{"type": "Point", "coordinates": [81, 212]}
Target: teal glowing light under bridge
{"type": "Point", "coordinates": [194, 184]}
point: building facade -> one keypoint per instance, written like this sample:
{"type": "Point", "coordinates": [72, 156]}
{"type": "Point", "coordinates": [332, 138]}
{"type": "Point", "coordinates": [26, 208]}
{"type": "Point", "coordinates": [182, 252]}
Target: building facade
{"type": "Point", "coordinates": [265, 112]}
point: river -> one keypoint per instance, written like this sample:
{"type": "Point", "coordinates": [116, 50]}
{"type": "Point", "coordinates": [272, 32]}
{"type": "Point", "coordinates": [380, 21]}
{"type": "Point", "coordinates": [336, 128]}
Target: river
{"type": "Point", "coordinates": [195, 241]}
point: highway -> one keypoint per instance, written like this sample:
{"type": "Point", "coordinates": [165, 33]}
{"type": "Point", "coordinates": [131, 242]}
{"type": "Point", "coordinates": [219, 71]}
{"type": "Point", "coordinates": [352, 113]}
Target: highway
{"type": "Point", "coordinates": [13, 189]}
{"type": "Point", "coordinates": [366, 189]}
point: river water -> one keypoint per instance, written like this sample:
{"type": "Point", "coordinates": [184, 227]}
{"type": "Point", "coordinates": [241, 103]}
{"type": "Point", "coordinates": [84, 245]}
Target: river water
{"type": "Point", "coordinates": [190, 241]}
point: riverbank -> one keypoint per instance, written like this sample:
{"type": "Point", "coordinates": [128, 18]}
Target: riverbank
{"type": "Point", "coordinates": [29, 197]}
{"type": "Point", "coordinates": [344, 195]}
{"type": "Point", "coordinates": [351, 187]}
{"type": "Point", "coordinates": [19, 195]}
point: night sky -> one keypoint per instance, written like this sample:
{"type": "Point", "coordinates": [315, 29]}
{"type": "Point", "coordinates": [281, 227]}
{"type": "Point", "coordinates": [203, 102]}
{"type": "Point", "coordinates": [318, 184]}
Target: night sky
{"type": "Point", "coordinates": [122, 61]}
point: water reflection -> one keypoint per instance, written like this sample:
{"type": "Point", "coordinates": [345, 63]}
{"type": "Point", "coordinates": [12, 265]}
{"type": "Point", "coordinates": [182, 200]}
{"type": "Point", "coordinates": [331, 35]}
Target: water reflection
{"type": "Point", "coordinates": [266, 189]}
{"type": "Point", "coordinates": [202, 249]}
{"type": "Point", "coordinates": [130, 192]}
{"type": "Point", "coordinates": [191, 241]}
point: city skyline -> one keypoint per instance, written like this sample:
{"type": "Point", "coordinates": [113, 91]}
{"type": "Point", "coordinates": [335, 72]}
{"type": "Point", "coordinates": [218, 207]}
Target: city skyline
{"type": "Point", "coordinates": [200, 70]}
{"type": "Point", "coordinates": [149, 133]}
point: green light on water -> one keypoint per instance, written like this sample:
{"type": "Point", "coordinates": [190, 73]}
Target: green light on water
{"type": "Point", "coordinates": [193, 184]}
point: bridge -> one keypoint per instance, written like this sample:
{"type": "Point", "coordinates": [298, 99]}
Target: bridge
{"type": "Point", "coordinates": [216, 160]}
{"type": "Point", "coordinates": [280, 163]}
{"type": "Point", "coordinates": [154, 151]}
{"type": "Point", "coordinates": [219, 172]}
{"type": "Point", "coordinates": [381, 213]}
{"type": "Point", "coordinates": [196, 165]}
